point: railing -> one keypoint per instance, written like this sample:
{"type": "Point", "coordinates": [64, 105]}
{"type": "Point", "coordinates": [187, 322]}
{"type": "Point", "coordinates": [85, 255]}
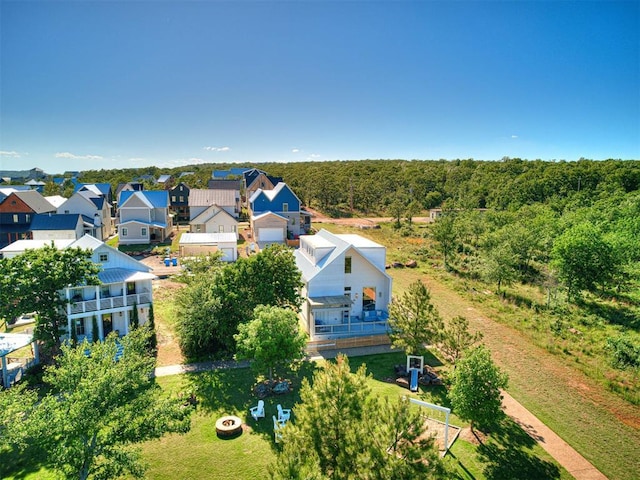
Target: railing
{"type": "Point", "coordinates": [352, 327]}
{"type": "Point", "coordinates": [109, 303]}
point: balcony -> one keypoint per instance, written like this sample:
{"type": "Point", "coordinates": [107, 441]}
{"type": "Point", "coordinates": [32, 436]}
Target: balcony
{"type": "Point", "coordinates": [109, 303]}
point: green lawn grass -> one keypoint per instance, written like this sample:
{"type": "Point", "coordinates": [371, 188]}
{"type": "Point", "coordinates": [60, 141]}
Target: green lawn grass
{"type": "Point", "coordinates": [201, 454]}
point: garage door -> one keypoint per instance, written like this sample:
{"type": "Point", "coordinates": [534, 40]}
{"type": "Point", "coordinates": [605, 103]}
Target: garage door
{"type": "Point", "coordinates": [270, 235]}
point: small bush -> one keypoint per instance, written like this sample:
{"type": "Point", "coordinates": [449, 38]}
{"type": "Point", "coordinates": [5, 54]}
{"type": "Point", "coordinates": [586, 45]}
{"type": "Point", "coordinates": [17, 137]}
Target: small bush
{"type": "Point", "coordinates": [624, 352]}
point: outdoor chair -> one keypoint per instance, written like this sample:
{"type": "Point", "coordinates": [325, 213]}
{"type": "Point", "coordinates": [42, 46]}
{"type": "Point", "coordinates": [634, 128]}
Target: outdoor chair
{"type": "Point", "coordinates": [257, 411]}
{"type": "Point", "coordinates": [284, 414]}
{"type": "Point", "coordinates": [277, 426]}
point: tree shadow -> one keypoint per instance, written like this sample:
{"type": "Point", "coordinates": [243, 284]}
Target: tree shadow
{"type": "Point", "coordinates": [231, 392]}
{"type": "Point", "coordinates": [507, 455]}
{"type": "Point", "coordinates": [614, 314]}
{"type": "Point", "coordinates": [21, 463]}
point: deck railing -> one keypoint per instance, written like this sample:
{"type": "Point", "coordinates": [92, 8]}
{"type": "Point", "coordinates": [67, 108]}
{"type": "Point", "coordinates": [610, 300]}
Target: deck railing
{"type": "Point", "coordinates": [108, 303]}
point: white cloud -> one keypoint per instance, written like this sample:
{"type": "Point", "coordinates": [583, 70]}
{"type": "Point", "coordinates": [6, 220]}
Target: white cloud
{"type": "Point", "coordinates": [217, 149]}
{"type": "Point", "coordinates": [12, 154]}
{"type": "Point", "coordinates": [72, 156]}
{"type": "Point", "coordinates": [313, 156]}
{"type": "Point", "coordinates": [514, 136]}
{"type": "Point", "coordinates": [295, 150]}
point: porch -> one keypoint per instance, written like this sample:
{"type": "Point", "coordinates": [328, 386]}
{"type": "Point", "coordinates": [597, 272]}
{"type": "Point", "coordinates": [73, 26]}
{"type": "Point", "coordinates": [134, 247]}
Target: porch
{"type": "Point", "coordinates": [108, 302]}
{"type": "Point", "coordinates": [368, 323]}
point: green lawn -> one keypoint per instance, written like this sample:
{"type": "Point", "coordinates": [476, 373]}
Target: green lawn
{"type": "Point", "coordinates": [201, 454]}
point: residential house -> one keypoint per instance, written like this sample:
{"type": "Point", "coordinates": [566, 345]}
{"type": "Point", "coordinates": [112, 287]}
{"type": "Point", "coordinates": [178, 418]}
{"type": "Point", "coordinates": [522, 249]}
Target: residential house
{"type": "Point", "coordinates": [93, 204]}
{"type": "Point", "coordinates": [47, 226]}
{"type": "Point", "coordinates": [346, 288]}
{"type": "Point", "coordinates": [100, 189]}
{"type": "Point", "coordinates": [283, 202]}
{"type": "Point", "coordinates": [16, 212]}
{"type": "Point", "coordinates": [166, 181]}
{"type": "Point", "coordinates": [134, 186]}
{"type": "Point", "coordinates": [214, 220]}
{"type": "Point", "coordinates": [269, 227]}
{"type": "Point", "coordinates": [143, 216]}
{"type": "Point", "coordinates": [255, 179]}
{"type": "Point", "coordinates": [193, 244]}
{"type": "Point", "coordinates": [125, 284]}
{"type": "Point", "coordinates": [179, 203]}
{"type": "Point", "coordinates": [201, 199]}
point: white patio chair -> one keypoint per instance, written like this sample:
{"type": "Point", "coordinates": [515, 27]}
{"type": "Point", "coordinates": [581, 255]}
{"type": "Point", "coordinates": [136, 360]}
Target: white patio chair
{"type": "Point", "coordinates": [284, 414]}
{"type": "Point", "coordinates": [257, 411]}
{"type": "Point", "coordinates": [278, 425]}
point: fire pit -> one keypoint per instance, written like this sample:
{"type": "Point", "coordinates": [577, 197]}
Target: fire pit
{"type": "Point", "coordinates": [228, 426]}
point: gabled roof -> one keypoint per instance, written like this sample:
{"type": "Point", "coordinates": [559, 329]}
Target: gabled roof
{"type": "Point", "coordinates": [336, 246]}
{"type": "Point", "coordinates": [154, 198]}
{"type": "Point", "coordinates": [208, 214]}
{"type": "Point", "coordinates": [96, 198]}
{"type": "Point", "coordinates": [271, 194]}
{"type": "Point", "coordinates": [35, 201]}
{"type": "Point", "coordinates": [97, 188]}
{"type": "Point", "coordinates": [268, 214]}
{"type": "Point", "coordinates": [144, 222]}
{"type": "Point", "coordinates": [55, 200]}
{"type": "Point", "coordinates": [63, 221]}
{"type": "Point", "coordinates": [164, 178]}
{"type": "Point", "coordinates": [199, 197]}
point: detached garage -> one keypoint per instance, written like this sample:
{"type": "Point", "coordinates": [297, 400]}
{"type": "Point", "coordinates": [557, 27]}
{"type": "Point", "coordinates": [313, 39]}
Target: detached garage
{"type": "Point", "coordinates": [194, 244]}
{"type": "Point", "coordinates": [269, 227]}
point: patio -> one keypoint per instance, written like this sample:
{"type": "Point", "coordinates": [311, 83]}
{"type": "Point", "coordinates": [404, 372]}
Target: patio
{"type": "Point", "coordinates": [14, 367]}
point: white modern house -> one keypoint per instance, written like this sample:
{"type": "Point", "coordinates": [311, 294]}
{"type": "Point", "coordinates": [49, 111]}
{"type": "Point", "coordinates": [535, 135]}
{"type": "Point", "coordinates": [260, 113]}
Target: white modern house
{"type": "Point", "coordinates": [346, 288]}
{"type": "Point", "coordinates": [125, 284]}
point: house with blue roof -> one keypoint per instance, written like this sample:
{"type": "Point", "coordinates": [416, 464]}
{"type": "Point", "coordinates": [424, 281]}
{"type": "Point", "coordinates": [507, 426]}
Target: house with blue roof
{"type": "Point", "coordinates": [48, 226]}
{"type": "Point", "coordinates": [143, 217]}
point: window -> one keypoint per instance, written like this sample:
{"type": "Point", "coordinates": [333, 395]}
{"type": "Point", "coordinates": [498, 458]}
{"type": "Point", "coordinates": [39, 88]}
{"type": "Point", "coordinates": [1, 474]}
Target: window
{"type": "Point", "coordinates": [27, 217]}
{"type": "Point", "coordinates": [105, 291]}
{"type": "Point", "coordinates": [143, 231]}
{"type": "Point", "coordinates": [124, 232]}
{"type": "Point", "coordinates": [347, 264]}
{"type": "Point", "coordinates": [221, 228]}
{"type": "Point", "coordinates": [233, 229]}
{"type": "Point", "coordinates": [285, 207]}
{"type": "Point", "coordinates": [103, 257]}
{"type": "Point", "coordinates": [197, 228]}
{"type": "Point", "coordinates": [79, 326]}
{"type": "Point", "coordinates": [173, 199]}
{"type": "Point", "coordinates": [15, 218]}
{"type": "Point", "coordinates": [181, 199]}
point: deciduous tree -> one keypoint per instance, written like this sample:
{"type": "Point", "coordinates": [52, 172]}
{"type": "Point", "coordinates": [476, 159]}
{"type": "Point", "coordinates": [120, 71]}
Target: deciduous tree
{"type": "Point", "coordinates": [99, 408]}
{"type": "Point", "coordinates": [271, 339]}
{"type": "Point", "coordinates": [33, 280]}
{"type": "Point", "coordinates": [475, 388]}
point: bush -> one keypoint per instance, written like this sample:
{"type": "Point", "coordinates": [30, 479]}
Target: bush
{"type": "Point", "coordinates": [624, 352]}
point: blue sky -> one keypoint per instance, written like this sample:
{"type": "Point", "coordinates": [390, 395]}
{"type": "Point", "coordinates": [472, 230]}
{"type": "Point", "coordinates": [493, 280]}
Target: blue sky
{"type": "Point", "coordinates": [108, 84]}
